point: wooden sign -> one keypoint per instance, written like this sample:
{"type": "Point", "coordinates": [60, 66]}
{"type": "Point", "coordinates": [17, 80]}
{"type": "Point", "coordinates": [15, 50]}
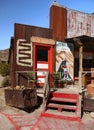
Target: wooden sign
{"type": "Point", "coordinates": [79, 23]}
{"type": "Point", "coordinates": [42, 40]}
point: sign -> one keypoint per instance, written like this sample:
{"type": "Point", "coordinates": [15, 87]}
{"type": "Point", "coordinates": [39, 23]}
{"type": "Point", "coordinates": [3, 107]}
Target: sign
{"type": "Point", "coordinates": [64, 60]}
{"type": "Point", "coordinates": [79, 23]}
{"type": "Point", "coordinates": [42, 40]}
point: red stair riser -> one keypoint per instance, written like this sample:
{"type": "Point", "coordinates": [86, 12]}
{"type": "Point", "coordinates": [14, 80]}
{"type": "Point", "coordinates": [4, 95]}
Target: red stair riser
{"type": "Point", "coordinates": [62, 106]}
{"type": "Point", "coordinates": [64, 100]}
{"type": "Point", "coordinates": [64, 95]}
{"type": "Point", "coordinates": [61, 102]}
{"type": "Point", "coordinates": [61, 117]}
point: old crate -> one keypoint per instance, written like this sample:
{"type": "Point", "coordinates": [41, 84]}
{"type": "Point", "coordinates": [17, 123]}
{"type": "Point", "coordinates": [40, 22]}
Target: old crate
{"type": "Point", "coordinates": [21, 98]}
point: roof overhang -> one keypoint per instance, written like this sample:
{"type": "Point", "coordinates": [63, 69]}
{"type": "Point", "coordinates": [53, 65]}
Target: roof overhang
{"type": "Point", "coordinates": [86, 41]}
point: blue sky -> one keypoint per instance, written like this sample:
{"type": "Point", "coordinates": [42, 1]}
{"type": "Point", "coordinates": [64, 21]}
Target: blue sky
{"type": "Point", "coordinates": [32, 12]}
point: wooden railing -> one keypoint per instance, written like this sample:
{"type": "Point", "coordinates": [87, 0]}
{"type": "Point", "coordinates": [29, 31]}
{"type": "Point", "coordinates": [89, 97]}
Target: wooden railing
{"type": "Point", "coordinates": [46, 89]}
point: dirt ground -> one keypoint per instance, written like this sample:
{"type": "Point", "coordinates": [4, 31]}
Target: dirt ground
{"type": "Point", "coordinates": [16, 119]}
{"type": "Point", "coordinates": [9, 115]}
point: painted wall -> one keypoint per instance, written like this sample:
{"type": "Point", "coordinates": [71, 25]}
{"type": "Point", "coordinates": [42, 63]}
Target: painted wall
{"type": "Point", "coordinates": [65, 60]}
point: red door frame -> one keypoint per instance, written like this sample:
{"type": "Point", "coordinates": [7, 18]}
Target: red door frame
{"type": "Point", "coordinates": [50, 55]}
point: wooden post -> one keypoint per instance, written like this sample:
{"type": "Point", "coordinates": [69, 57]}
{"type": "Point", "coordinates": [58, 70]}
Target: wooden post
{"type": "Point", "coordinates": [80, 75]}
{"type": "Point", "coordinates": [80, 44]}
{"type": "Point", "coordinates": [81, 58]}
{"type": "Point", "coordinates": [80, 66]}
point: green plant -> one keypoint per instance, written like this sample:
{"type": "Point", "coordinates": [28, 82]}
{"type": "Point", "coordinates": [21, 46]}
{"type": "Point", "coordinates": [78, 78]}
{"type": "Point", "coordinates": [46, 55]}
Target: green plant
{"type": "Point", "coordinates": [4, 69]}
{"type": "Point", "coordinates": [6, 82]}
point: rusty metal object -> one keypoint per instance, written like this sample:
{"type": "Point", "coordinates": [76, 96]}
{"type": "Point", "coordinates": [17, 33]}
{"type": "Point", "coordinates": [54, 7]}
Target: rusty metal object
{"type": "Point", "coordinates": [88, 105]}
{"type": "Point", "coordinates": [58, 15]}
{"type": "Point", "coordinates": [21, 98]}
{"type": "Point", "coordinates": [88, 102]}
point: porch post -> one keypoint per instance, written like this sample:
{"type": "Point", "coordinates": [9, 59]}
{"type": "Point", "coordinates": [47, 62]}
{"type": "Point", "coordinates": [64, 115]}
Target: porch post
{"type": "Point", "coordinates": [80, 66]}
{"type": "Point", "coordinates": [80, 44]}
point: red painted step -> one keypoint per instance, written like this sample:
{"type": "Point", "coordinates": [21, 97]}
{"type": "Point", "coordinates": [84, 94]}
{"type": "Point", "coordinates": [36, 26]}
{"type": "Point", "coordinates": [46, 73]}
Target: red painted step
{"type": "Point", "coordinates": [65, 95]}
{"type": "Point", "coordinates": [60, 115]}
{"type": "Point", "coordinates": [62, 105]}
{"type": "Point", "coordinates": [63, 99]}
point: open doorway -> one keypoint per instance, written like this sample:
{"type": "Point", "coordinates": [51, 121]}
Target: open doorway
{"type": "Point", "coordinates": [42, 54]}
{"type": "Point", "coordinates": [43, 61]}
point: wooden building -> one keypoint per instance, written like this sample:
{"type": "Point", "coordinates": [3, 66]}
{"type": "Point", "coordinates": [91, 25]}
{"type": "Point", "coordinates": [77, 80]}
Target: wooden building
{"type": "Point", "coordinates": [27, 43]}
{"type": "Point", "coordinates": [74, 27]}
{"type": "Point", "coordinates": [68, 43]}
{"type": "Point", "coordinates": [69, 30]}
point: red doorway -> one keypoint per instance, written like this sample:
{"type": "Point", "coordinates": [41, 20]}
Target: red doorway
{"type": "Point", "coordinates": [43, 61]}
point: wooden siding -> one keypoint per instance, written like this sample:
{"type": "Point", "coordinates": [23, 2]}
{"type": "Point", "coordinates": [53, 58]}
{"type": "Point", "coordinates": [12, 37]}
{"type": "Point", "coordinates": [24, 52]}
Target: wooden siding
{"type": "Point", "coordinates": [24, 32]}
{"type": "Point", "coordinates": [11, 62]}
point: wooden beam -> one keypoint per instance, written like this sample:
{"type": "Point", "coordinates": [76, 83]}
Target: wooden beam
{"type": "Point", "coordinates": [78, 41]}
{"type": "Point", "coordinates": [80, 66]}
{"type": "Point", "coordinates": [81, 58]}
{"type": "Point", "coordinates": [80, 44]}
